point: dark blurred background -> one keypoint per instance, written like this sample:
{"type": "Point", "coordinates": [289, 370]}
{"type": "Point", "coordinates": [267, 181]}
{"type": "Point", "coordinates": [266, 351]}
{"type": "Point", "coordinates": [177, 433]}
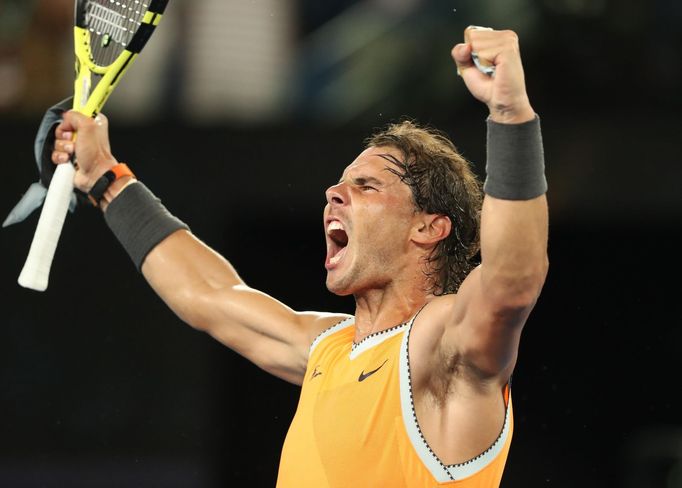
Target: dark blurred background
{"type": "Point", "coordinates": [239, 115]}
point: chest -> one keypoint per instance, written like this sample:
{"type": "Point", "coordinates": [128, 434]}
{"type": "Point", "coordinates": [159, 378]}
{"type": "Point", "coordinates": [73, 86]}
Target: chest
{"type": "Point", "coordinates": [352, 393]}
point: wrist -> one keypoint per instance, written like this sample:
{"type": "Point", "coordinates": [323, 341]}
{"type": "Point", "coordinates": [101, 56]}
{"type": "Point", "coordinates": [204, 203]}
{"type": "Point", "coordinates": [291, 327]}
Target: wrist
{"type": "Point", "coordinates": [512, 114]}
{"type": "Point", "coordinates": [140, 222]}
{"type": "Point", "coordinates": [515, 167]}
{"type": "Point", "coordinates": [114, 190]}
{"type": "Point", "coordinates": [110, 184]}
{"type": "Point", "coordinates": [92, 176]}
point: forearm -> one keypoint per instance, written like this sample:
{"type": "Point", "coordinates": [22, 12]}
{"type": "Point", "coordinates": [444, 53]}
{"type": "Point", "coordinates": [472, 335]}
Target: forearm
{"type": "Point", "coordinates": [188, 275]}
{"type": "Point", "coordinates": [196, 282]}
{"type": "Point", "coordinates": [177, 265]}
{"type": "Point", "coordinates": [514, 220]}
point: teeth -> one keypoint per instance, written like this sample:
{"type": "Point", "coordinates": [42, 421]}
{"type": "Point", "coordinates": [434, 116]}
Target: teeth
{"type": "Point", "coordinates": [337, 258]}
{"type": "Point", "coordinates": [334, 225]}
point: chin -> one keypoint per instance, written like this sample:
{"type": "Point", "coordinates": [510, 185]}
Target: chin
{"type": "Point", "coordinates": [338, 288]}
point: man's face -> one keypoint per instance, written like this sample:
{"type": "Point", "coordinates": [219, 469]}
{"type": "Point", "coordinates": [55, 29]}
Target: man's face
{"type": "Point", "coordinates": [367, 221]}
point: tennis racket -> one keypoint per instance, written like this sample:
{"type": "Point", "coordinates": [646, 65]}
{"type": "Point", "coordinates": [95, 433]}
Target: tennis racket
{"type": "Point", "coordinates": [108, 36]}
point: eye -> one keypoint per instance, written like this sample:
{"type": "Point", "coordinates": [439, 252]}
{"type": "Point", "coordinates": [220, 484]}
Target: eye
{"type": "Point", "coordinates": [367, 188]}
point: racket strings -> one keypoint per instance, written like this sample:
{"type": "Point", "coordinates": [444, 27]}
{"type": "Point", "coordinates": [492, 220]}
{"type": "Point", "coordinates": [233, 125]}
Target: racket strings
{"type": "Point", "coordinates": [112, 24]}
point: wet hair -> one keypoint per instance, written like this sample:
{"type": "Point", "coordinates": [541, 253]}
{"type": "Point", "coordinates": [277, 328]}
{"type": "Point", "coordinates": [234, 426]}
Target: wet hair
{"type": "Point", "coordinates": [442, 182]}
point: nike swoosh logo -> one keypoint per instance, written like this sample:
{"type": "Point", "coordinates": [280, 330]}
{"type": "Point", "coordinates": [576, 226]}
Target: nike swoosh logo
{"type": "Point", "coordinates": [363, 376]}
{"type": "Point", "coordinates": [315, 373]}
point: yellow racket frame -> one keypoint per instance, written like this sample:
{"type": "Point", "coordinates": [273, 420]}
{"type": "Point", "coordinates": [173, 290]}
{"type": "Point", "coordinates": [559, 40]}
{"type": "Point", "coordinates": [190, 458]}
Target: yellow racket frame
{"type": "Point", "coordinates": [89, 103]}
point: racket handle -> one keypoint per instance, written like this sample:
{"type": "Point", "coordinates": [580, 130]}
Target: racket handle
{"type": "Point", "coordinates": [36, 269]}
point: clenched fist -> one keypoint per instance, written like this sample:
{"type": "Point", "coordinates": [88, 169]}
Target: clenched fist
{"type": "Point", "coordinates": [505, 91]}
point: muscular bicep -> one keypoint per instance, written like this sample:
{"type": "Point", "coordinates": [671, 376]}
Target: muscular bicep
{"type": "Point", "coordinates": [497, 297]}
{"type": "Point", "coordinates": [204, 290]}
{"type": "Point", "coordinates": [484, 331]}
{"type": "Point", "coordinates": [264, 330]}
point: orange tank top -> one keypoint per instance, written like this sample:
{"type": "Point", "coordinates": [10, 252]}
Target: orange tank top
{"type": "Point", "coordinates": [355, 424]}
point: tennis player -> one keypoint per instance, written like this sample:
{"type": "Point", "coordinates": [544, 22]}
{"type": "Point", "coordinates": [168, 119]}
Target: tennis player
{"type": "Point", "coordinates": [413, 390]}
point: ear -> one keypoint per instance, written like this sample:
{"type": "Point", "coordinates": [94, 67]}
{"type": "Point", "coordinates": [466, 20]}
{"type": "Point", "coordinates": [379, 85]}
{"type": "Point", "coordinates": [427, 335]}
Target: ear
{"type": "Point", "coordinates": [431, 229]}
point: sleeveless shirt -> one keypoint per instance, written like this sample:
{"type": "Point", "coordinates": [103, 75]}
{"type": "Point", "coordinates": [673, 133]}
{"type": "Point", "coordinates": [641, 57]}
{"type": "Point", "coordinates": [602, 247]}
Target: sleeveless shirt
{"type": "Point", "coordinates": [355, 425]}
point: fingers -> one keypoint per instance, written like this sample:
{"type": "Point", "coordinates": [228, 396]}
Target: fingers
{"type": "Point", "coordinates": [480, 49]}
{"type": "Point", "coordinates": [461, 53]}
{"type": "Point", "coordinates": [63, 150]}
{"type": "Point", "coordinates": [71, 122]}
{"type": "Point", "coordinates": [65, 133]}
{"type": "Point", "coordinates": [77, 121]}
{"type": "Point", "coordinates": [74, 121]}
{"type": "Point", "coordinates": [84, 141]}
{"type": "Point", "coordinates": [492, 47]}
{"type": "Point", "coordinates": [497, 77]}
{"type": "Point", "coordinates": [64, 143]}
{"type": "Point", "coordinates": [466, 66]}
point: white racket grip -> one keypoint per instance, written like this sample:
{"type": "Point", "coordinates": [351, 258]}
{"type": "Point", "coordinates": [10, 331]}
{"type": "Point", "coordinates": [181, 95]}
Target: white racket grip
{"type": "Point", "coordinates": [36, 269]}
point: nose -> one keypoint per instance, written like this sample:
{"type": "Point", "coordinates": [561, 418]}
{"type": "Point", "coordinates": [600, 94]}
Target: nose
{"type": "Point", "coordinates": [336, 195]}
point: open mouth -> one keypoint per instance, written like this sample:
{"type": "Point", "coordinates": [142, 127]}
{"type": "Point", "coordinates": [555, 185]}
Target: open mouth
{"type": "Point", "coordinates": [338, 240]}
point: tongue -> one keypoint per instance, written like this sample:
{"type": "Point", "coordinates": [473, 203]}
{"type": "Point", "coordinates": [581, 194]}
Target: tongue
{"type": "Point", "coordinates": [335, 259]}
{"type": "Point", "coordinates": [339, 236]}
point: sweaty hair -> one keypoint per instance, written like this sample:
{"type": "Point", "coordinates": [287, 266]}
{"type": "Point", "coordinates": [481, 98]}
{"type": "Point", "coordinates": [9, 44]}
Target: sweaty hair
{"type": "Point", "coordinates": [442, 182]}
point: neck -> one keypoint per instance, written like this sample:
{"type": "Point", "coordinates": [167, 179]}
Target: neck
{"type": "Point", "coordinates": [381, 309]}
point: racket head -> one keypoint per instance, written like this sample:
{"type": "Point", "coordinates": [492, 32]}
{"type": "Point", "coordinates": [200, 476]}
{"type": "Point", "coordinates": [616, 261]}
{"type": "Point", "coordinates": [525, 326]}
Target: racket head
{"type": "Point", "coordinates": [107, 37]}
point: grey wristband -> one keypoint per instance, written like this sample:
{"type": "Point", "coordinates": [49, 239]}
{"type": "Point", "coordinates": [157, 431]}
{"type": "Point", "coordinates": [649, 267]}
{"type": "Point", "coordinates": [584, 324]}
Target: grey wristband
{"type": "Point", "coordinates": [139, 221]}
{"type": "Point", "coordinates": [515, 169]}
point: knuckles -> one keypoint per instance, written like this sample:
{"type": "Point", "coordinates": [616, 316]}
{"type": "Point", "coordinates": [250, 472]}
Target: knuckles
{"type": "Point", "coordinates": [510, 36]}
{"type": "Point", "coordinates": [101, 120]}
{"type": "Point", "coordinates": [504, 38]}
{"type": "Point", "coordinates": [511, 41]}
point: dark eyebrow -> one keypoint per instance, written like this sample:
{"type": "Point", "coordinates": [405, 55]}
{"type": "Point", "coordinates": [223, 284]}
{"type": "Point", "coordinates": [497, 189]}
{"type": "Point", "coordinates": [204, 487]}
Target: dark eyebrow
{"type": "Point", "coordinates": [362, 180]}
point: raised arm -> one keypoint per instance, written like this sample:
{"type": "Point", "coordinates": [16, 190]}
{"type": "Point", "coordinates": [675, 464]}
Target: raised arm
{"type": "Point", "coordinates": [494, 301]}
{"type": "Point", "coordinates": [198, 284]}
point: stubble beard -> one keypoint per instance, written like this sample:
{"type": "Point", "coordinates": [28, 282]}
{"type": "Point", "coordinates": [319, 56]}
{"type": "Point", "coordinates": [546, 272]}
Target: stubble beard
{"type": "Point", "coordinates": [360, 276]}
{"type": "Point", "coordinates": [342, 285]}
